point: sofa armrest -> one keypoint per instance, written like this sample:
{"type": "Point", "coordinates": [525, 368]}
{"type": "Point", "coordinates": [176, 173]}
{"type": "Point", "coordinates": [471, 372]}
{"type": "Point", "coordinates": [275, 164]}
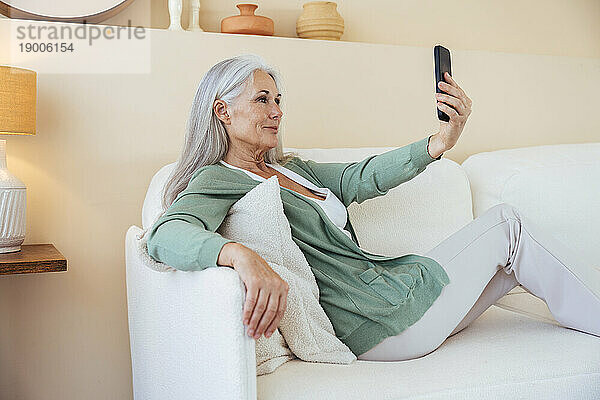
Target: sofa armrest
{"type": "Point", "coordinates": [186, 333]}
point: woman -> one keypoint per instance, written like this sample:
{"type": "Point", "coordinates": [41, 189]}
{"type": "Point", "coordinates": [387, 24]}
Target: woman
{"type": "Point", "coordinates": [382, 308]}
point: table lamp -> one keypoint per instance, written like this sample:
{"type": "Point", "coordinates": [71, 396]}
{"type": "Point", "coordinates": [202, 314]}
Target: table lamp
{"type": "Point", "coordinates": [17, 117]}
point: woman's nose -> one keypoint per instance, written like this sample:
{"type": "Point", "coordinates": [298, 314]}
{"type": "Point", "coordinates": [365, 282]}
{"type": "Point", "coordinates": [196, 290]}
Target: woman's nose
{"type": "Point", "coordinates": [276, 112]}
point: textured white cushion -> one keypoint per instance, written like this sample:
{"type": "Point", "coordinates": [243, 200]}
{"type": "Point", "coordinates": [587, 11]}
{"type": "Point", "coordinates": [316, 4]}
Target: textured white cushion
{"type": "Point", "coordinates": [257, 221]}
{"type": "Point", "coordinates": [556, 186]}
{"type": "Point", "coordinates": [417, 215]}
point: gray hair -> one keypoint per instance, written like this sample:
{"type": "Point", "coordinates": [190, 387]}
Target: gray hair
{"type": "Point", "coordinates": [206, 140]}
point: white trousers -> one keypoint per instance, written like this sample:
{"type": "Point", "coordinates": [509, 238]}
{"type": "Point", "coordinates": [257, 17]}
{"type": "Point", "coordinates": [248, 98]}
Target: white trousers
{"type": "Point", "coordinates": [485, 260]}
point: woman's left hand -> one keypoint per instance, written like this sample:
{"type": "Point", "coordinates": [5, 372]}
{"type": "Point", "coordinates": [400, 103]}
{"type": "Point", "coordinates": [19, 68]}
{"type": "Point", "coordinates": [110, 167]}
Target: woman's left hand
{"type": "Point", "coordinates": [458, 113]}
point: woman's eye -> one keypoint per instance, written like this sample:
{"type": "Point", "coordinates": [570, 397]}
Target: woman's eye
{"type": "Point", "coordinates": [265, 100]}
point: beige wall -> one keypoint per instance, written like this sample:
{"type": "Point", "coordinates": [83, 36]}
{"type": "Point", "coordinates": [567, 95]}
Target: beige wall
{"type": "Point", "coordinates": [102, 136]}
{"type": "Point", "coordinates": [551, 27]}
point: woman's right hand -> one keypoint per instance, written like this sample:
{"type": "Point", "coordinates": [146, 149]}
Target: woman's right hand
{"type": "Point", "coordinates": [266, 292]}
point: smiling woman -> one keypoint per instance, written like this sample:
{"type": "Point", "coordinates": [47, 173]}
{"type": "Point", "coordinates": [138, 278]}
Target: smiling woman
{"type": "Point", "coordinates": [64, 11]}
{"type": "Point", "coordinates": [234, 140]}
{"type": "Point", "coordinates": [252, 122]}
{"type": "Point", "coordinates": [237, 98]}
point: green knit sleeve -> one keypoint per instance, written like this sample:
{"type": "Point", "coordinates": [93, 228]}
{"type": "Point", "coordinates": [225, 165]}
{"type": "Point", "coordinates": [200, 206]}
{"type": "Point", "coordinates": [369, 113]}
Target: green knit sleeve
{"type": "Point", "coordinates": [375, 175]}
{"type": "Point", "coordinates": [185, 237]}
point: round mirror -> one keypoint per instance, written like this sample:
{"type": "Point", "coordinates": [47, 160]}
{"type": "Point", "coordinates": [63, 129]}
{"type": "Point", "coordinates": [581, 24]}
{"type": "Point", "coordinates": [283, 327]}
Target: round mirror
{"type": "Point", "coordinates": [63, 10]}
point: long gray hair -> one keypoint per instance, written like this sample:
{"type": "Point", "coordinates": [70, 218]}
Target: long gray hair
{"type": "Point", "coordinates": [206, 140]}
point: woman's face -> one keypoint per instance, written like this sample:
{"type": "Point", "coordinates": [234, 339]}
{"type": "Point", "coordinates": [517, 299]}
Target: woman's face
{"type": "Point", "coordinates": [252, 121]}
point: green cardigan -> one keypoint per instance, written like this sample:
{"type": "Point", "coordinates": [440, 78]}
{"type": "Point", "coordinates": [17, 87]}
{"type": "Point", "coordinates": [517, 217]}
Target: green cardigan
{"type": "Point", "coordinates": [367, 297]}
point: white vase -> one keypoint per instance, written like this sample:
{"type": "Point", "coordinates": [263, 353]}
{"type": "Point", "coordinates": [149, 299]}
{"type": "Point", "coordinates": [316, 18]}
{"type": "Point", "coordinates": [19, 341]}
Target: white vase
{"type": "Point", "coordinates": [175, 7]}
{"type": "Point", "coordinates": [194, 25]}
{"type": "Point", "coordinates": [12, 207]}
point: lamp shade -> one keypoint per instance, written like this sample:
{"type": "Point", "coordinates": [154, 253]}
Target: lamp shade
{"type": "Point", "coordinates": [17, 101]}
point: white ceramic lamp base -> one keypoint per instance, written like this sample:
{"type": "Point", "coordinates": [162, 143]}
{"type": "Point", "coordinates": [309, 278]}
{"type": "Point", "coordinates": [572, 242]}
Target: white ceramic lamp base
{"type": "Point", "coordinates": [12, 207]}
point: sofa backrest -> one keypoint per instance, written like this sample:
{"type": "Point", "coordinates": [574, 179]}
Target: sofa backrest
{"type": "Point", "coordinates": [556, 186]}
{"type": "Point", "coordinates": [152, 207]}
{"type": "Point", "coordinates": [411, 218]}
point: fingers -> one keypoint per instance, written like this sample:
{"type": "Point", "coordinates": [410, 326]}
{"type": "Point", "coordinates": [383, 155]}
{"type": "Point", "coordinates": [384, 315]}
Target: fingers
{"type": "Point", "coordinates": [448, 110]}
{"type": "Point", "coordinates": [456, 97]}
{"type": "Point", "coordinates": [266, 308]}
{"type": "Point", "coordinates": [454, 89]}
{"type": "Point", "coordinates": [451, 85]}
{"type": "Point", "coordinates": [261, 305]}
{"type": "Point", "coordinates": [282, 304]}
{"type": "Point", "coordinates": [251, 297]}
{"type": "Point", "coordinates": [268, 316]}
{"type": "Point", "coordinates": [266, 295]}
{"type": "Point", "coordinates": [449, 89]}
{"type": "Point", "coordinates": [453, 101]}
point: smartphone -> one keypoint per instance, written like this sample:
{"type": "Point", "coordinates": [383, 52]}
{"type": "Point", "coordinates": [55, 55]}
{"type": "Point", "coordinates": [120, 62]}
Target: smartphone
{"type": "Point", "coordinates": [441, 56]}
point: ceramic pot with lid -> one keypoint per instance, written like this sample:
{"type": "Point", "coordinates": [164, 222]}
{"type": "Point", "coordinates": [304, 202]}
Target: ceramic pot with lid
{"type": "Point", "coordinates": [247, 22]}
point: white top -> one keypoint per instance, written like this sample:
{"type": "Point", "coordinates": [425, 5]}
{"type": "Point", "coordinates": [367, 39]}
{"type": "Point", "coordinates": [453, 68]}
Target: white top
{"type": "Point", "coordinates": [331, 205]}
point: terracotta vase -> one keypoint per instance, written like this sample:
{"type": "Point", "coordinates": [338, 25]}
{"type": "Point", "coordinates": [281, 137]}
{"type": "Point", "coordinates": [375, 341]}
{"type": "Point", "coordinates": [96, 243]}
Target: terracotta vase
{"type": "Point", "coordinates": [247, 22]}
{"type": "Point", "coordinates": [320, 20]}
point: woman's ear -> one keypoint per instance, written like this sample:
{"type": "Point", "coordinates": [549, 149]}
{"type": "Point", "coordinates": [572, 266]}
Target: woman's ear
{"type": "Point", "coordinates": [220, 109]}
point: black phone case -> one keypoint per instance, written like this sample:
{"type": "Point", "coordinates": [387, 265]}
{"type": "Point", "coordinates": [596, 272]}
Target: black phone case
{"type": "Point", "coordinates": [442, 65]}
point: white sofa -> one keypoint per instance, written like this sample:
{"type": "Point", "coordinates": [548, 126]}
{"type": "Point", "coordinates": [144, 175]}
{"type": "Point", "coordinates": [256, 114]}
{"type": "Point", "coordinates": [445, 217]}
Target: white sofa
{"type": "Point", "coordinates": [187, 336]}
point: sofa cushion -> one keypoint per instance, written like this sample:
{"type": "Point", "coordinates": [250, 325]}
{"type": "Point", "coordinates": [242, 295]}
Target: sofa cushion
{"type": "Point", "coordinates": [257, 221]}
{"type": "Point", "coordinates": [556, 186]}
{"type": "Point", "coordinates": [500, 355]}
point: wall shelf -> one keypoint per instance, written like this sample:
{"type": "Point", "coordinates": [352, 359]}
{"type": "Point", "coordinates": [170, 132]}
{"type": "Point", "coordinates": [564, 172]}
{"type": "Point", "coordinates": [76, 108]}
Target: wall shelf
{"type": "Point", "coordinates": [33, 258]}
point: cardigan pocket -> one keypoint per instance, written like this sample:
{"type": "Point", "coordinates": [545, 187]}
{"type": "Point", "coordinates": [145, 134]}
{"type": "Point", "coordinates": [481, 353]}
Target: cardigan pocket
{"type": "Point", "coordinates": [394, 287]}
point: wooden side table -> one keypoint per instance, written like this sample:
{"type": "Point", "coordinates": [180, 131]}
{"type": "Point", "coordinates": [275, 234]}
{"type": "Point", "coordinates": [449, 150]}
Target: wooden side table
{"type": "Point", "coordinates": [33, 258]}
